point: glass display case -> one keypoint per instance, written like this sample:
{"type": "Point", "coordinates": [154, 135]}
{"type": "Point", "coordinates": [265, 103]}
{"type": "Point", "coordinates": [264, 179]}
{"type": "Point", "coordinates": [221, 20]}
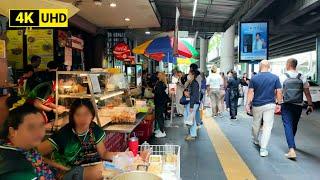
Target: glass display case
{"type": "Point", "coordinates": [134, 74]}
{"type": "Point", "coordinates": [108, 93]}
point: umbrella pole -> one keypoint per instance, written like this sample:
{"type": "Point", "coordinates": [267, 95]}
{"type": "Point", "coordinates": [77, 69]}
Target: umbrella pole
{"type": "Point", "coordinates": [172, 99]}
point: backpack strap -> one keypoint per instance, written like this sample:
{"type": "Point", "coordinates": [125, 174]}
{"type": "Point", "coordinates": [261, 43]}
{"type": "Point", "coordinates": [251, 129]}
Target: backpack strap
{"type": "Point", "coordinates": [288, 76]}
{"type": "Point", "coordinates": [299, 76]}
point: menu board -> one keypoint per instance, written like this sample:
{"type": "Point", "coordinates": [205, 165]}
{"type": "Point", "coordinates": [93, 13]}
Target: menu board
{"type": "Point", "coordinates": [15, 48]}
{"type": "Point", "coordinates": [40, 43]}
{"type": "Point", "coordinates": [253, 41]}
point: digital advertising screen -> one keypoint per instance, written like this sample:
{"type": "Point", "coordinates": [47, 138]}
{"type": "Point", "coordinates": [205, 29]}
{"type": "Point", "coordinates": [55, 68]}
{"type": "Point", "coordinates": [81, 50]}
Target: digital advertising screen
{"type": "Point", "coordinates": [254, 41]}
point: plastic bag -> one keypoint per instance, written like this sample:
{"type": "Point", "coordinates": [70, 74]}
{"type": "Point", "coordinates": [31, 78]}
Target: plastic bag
{"type": "Point", "coordinates": [123, 160]}
{"type": "Point", "coordinates": [119, 80]}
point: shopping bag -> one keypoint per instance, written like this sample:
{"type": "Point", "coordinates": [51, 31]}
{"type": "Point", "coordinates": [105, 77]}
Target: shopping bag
{"type": "Point", "coordinates": [207, 102]}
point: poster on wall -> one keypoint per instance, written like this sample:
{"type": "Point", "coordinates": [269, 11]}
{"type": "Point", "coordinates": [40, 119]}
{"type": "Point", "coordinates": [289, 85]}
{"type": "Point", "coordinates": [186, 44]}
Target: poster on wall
{"type": "Point", "coordinates": [2, 49]}
{"type": "Point", "coordinates": [40, 43]}
{"type": "Point", "coordinates": [253, 44]}
{"type": "Point", "coordinates": [15, 48]}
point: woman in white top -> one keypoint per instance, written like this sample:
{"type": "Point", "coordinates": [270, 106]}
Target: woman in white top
{"type": "Point", "coordinates": [179, 93]}
{"type": "Point", "coordinates": [214, 82]}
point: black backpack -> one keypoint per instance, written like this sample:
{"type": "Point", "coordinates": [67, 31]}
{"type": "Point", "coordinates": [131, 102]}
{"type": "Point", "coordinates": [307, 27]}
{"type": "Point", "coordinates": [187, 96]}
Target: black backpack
{"type": "Point", "coordinates": [293, 89]}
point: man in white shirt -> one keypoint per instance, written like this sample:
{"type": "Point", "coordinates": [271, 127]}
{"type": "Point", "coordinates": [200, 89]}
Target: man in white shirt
{"type": "Point", "coordinates": [214, 83]}
{"type": "Point", "coordinates": [294, 85]}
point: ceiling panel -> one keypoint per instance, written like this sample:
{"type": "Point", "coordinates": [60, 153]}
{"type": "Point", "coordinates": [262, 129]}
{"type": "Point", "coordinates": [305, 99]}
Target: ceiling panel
{"type": "Point", "coordinates": [140, 13]}
{"type": "Point", "coordinates": [218, 11]}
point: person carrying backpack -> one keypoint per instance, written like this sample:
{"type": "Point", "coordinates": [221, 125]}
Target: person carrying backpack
{"type": "Point", "coordinates": [294, 85]}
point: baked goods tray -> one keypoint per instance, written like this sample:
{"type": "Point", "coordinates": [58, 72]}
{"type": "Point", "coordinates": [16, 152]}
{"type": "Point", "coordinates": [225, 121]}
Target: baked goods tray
{"type": "Point", "coordinates": [125, 128]}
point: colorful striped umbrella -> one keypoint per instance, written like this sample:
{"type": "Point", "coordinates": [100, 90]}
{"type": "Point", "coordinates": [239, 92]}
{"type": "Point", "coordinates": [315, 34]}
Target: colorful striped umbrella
{"type": "Point", "coordinates": [186, 61]}
{"type": "Point", "coordinates": [162, 49]}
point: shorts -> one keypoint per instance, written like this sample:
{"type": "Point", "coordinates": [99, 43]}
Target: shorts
{"type": "Point", "coordinates": [75, 173]}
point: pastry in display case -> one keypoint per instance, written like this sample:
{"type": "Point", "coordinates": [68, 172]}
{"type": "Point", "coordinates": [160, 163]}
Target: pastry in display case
{"type": "Point", "coordinates": [108, 92]}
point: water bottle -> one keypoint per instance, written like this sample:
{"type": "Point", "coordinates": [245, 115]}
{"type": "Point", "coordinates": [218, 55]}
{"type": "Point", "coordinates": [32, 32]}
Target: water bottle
{"type": "Point", "coordinates": [145, 146]}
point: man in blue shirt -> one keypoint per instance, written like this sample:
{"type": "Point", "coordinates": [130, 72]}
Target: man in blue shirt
{"type": "Point", "coordinates": [264, 89]}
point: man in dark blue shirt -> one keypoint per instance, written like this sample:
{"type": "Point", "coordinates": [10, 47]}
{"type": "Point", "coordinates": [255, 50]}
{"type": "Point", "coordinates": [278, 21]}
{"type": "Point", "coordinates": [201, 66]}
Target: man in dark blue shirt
{"type": "Point", "coordinates": [264, 89]}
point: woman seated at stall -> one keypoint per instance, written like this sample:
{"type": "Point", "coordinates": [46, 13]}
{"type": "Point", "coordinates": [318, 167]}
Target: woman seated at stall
{"type": "Point", "coordinates": [22, 132]}
{"type": "Point", "coordinates": [80, 142]}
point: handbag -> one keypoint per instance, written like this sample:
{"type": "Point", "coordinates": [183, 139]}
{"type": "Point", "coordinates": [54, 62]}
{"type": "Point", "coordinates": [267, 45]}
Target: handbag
{"type": "Point", "coordinates": [184, 101]}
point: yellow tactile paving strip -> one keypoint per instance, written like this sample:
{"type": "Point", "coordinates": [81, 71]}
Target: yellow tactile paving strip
{"type": "Point", "coordinates": [233, 165]}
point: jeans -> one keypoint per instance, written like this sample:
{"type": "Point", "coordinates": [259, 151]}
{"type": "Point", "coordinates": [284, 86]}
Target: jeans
{"type": "Point", "coordinates": [290, 117]}
{"type": "Point", "coordinates": [186, 113]}
{"type": "Point", "coordinates": [245, 95]}
{"type": "Point", "coordinates": [265, 112]}
{"type": "Point", "coordinates": [75, 173]}
{"type": "Point", "coordinates": [215, 101]}
{"type": "Point", "coordinates": [233, 103]}
{"type": "Point", "coordinates": [192, 115]}
{"type": "Point", "coordinates": [198, 117]}
{"type": "Point", "coordinates": [226, 98]}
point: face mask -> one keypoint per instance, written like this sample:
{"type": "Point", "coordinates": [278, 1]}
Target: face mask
{"type": "Point", "coordinates": [189, 77]}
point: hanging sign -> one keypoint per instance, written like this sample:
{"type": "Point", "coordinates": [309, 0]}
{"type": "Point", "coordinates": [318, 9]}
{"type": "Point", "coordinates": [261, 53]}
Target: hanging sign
{"type": "Point", "coordinates": [77, 43]}
{"type": "Point", "coordinates": [62, 38]}
{"type": "Point", "coordinates": [121, 51]}
{"type": "Point", "coordinates": [15, 48]}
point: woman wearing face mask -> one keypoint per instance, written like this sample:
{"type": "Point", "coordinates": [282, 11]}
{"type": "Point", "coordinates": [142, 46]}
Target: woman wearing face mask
{"type": "Point", "coordinates": [23, 130]}
{"type": "Point", "coordinates": [79, 143]}
{"type": "Point", "coordinates": [194, 94]}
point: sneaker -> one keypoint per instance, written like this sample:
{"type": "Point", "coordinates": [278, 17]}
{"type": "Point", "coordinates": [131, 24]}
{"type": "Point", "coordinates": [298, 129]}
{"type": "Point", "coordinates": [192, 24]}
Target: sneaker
{"type": "Point", "coordinates": [255, 142]}
{"type": "Point", "coordinates": [161, 135]}
{"type": "Point", "coordinates": [220, 115]}
{"type": "Point", "coordinates": [263, 152]}
{"type": "Point", "coordinates": [188, 122]}
{"type": "Point", "coordinates": [157, 131]}
{"type": "Point", "coordinates": [190, 138]}
{"type": "Point", "coordinates": [291, 155]}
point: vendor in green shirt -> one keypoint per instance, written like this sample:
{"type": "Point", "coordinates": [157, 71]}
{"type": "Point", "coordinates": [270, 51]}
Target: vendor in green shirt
{"type": "Point", "coordinates": [22, 131]}
{"type": "Point", "coordinates": [78, 143]}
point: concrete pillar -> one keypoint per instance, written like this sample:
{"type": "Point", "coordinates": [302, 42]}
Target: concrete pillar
{"type": "Point", "coordinates": [318, 59]}
{"type": "Point", "coordinates": [203, 54]}
{"type": "Point", "coordinates": [227, 50]}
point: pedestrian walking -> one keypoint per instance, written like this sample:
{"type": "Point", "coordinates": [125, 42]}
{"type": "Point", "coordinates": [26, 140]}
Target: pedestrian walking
{"type": "Point", "coordinates": [226, 98]}
{"type": "Point", "coordinates": [223, 88]}
{"type": "Point", "coordinates": [194, 95]}
{"type": "Point", "coordinates": [245, 86]}
{"type": "Point", "coordinates": [294, 85]}
{"type": "Point", "coordinates": [264, 89]}
{"type": "Point", "coordinates": [213, 86]}
{"type": "Point", "coordinates": [233, 86]}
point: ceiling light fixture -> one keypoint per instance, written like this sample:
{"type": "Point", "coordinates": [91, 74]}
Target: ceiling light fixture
{"type": "Point", "coordinates": [148, 32]}
{"type": "Point", "coordinates": [194, 7]}
{"type": "Point", "coordinates": [97, 2]}
{"type": "Point", "coordinates": [113, 5]}
{"type": "Point", "coordinates": [127, 19]}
